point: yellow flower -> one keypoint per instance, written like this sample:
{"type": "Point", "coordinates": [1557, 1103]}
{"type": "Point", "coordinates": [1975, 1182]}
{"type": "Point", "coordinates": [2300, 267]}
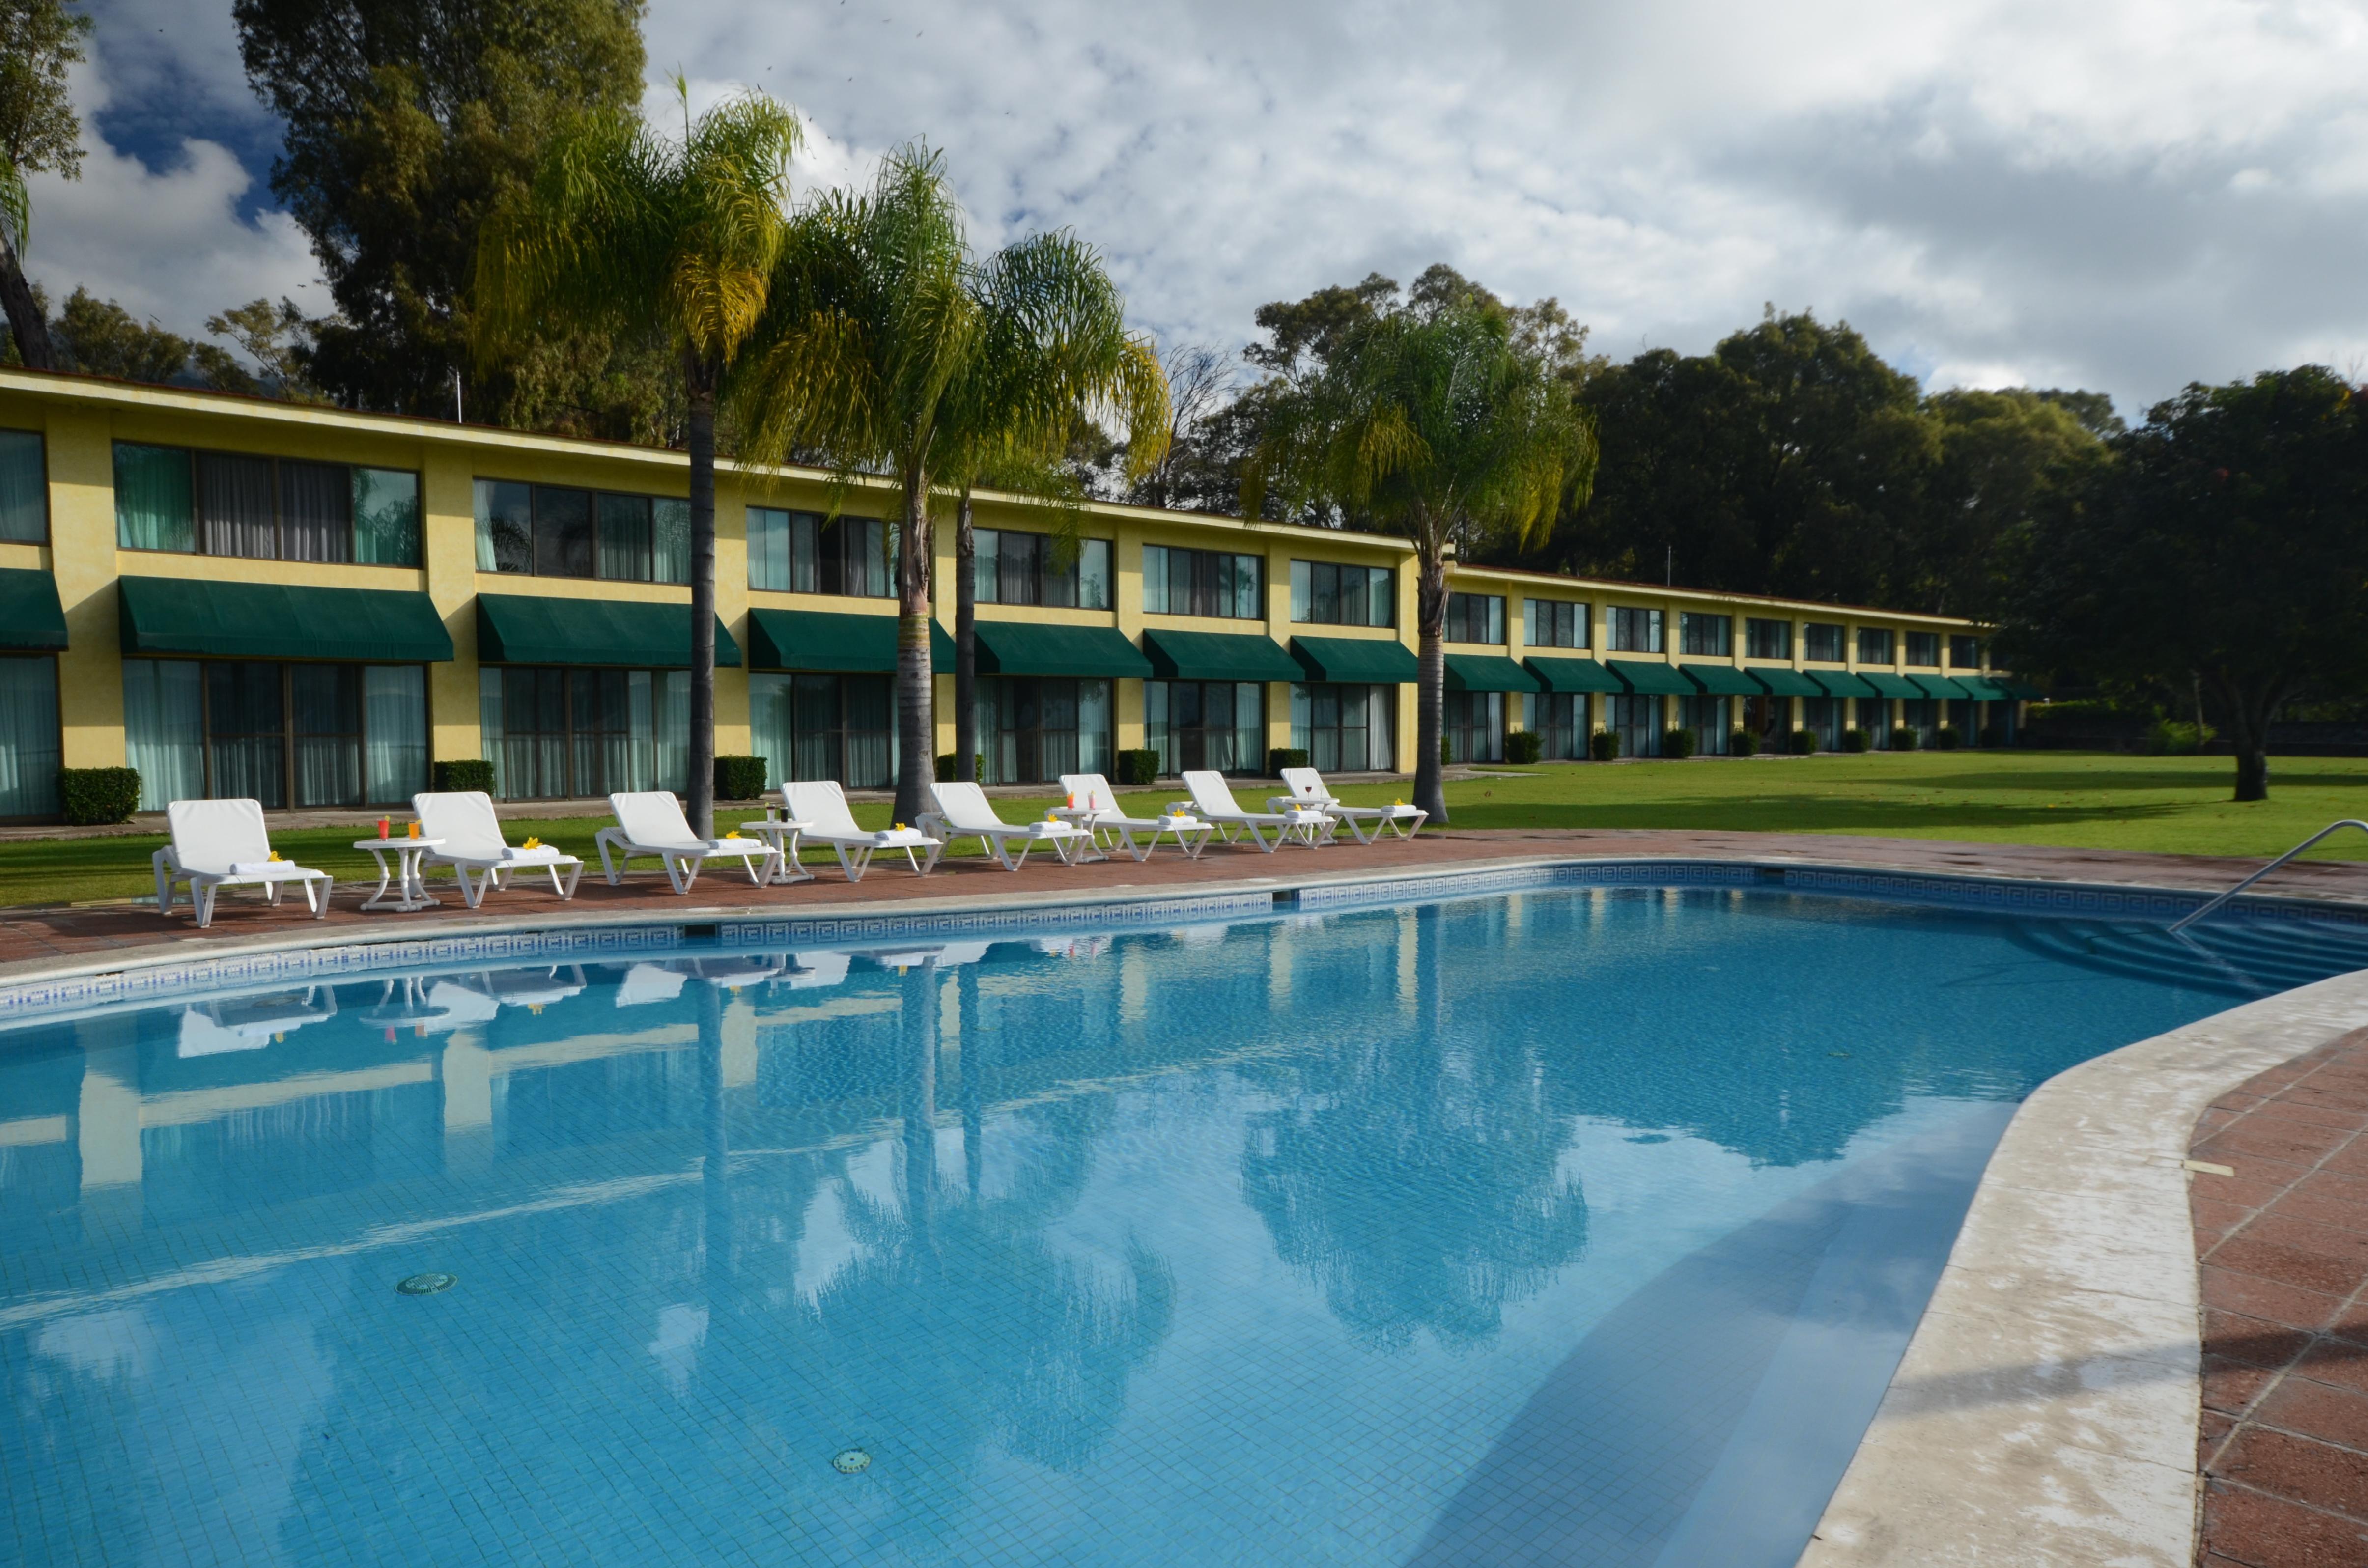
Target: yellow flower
{"type": "Point", "coordinates": [274, 854]}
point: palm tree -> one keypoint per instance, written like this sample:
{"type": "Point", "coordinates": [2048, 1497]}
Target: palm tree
{"type": "Point", "coordinates": [1441, 428]}
{"type": "Point", "coordinates": [889, 347]}
{"type": "Point", "coordinates": [628, 230]}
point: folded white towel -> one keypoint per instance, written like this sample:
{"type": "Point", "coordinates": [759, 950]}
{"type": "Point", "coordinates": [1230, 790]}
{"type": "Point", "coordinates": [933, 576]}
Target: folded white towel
{"type": "Point", "coordinates": [268, 868]}
{"type": "Point", "coordinates": [540, 855]}
{"type": "Point", "coordinates": [741, 846]}
{"type": "Point", "coordinates": [1054, 830]}
{"type": "Point", "coordinates": [899, 837]}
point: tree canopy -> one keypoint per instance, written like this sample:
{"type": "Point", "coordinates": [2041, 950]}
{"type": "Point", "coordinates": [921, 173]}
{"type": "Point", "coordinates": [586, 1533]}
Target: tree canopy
{"type": "Point", "coordinates": [39, 134]}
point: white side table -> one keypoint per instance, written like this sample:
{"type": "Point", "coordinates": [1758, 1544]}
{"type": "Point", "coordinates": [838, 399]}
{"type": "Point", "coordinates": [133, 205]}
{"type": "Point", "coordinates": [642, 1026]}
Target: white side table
{"type": "Point", "coordinates": [1088, 819]}
{"type": "Point", "coordinates": [783, 835]}
{"type": "Point", "coordinates": [408, 852]}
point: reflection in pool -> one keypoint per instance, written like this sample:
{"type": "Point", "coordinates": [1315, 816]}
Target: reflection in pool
{"type": "Point", "coordinates": [1583, 1223]}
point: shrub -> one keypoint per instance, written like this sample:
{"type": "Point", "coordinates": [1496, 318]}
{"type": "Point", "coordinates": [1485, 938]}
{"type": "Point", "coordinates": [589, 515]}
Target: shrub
{"type": "Point", "coordinates": [1679, 743]}
{"type": "Point", "coordinates": [1138, 768]}
{"type": "Point", "coordinates": [1446, 752]}
{"type": "Point", "coordinates": [1992, 734]}
{"type": "Point", "coordinates": [460, 777]}
{"type": "Point", "coordinates": [89, 797]}
{"type": "Point", "coordinates": [739, 777]}
{"type": "Point", "coordinates": [1904, 738]}
{"type": "Point", "coordinates": [1946, 738]}
{"type": "Point", "coordinates": [2170, 737]}
{"type": "Point", "coordinates": [1855, 739]}
{"type": "Point", "coordinates": [1603, 745]}
{"type": "Point", "coordinates": [1280, 758]}
{"type": "Point", "coordinates": [1801, 742]}
{"type": "Point", "coordinates": [945, 768]}
{"type": "Point", "coordinates": [1743, 742]}
{"type": "Point", "coordinates": [1524, 746]}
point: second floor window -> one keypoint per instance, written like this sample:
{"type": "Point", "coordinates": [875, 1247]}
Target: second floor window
{"type": "Point", "coordinates": [1019, 569]}
{"type": "Point", "coordinates": [1200, 581]}
{"type": "Point", "coordinates": [1873, 645]}
{"type": "Point", "coordinates": [1924, 649]}
{"type": "Point", "coordinates": [1634, 631]}
{"type": "Point", "coordinates": [1332, 594]}
{"type": "Point", "coordinates": [1554, 623]}
{"type": "Point", "coordinates": [1476, 617]}
{"type": "Point", "coordinates": [1768, 639]}
{"type": "Point", "coordinates": [1822, 644]}
{"type": "Point", "coordinates": [266, 508]}
{"type": "Point", "coordinates": [549, 531]}
{"type": "Point", "coordinates": [24, 488]}
{"type": "Point", "coordinates": [1966, 652]}
{"type": "Point", "coordinates": [805, 553]}
{"type": "Point", "coordinates": [1709, 635]}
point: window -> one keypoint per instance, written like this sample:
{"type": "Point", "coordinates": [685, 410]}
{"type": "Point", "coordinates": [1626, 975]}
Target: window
{"type": "Point", "coordinates": [548, 530]}
{"type": "Point", "coordinates": [1019, 569]}
{"type": "Point", "coordinates": [1476, 617]}
{"type": "Point", "coordinates": [1966, 652]}
{"type": "Point", "coordinates": [1344, 728]}
{"type": "Point", "coordinates": [1706, 717]}
{"type": "Point", "coordinates": [815, 726]}
{"type": "Point", "coordinates": [1873, 645]}
{"type": "Point", "coordinates": [24, 489]}
{"type": "Point", "coordinates": [1822, 645]}
{"type": "Point", "coordinates": [1200, 581]}
{"type": "Point", "coordinates": [1329, 595]}
{"type": "Point", "coordinates": [805, 553]}
{"type": "Point", "coordinates": [1473, 724]}
{"type": "Point", "coordinates": [302, 734]}
{"type": "Point", "coordinates": [568, 733]}
{"type": "Point", "coordinates": [1554, 623]}
{"type": "Point", "coordinates": [1768, 639]}
{"type": "Point", "coordinates": [1875, 718]}
{"type": "Point", "coordinates": [29, 751]}
{"type": "Point", "coordinates": [1709, 635]}
{"type": "Point", "coordinates": [1032, 730]}
{"type": "Point", "coordinates": [1924, 650]}
{"type": "Point", "coordinates": [1822, 717]}
{"type": "Point", "coordinates": [1196, 724]}
{"type": "Point", "coordinates": [1637, 721]}
{"type": "Point", "coordinates": [1635, 631]}
{"type": "Point", "coordinates": [1559, 720]}
{"type": "Point", "coordinates": [265, 508]}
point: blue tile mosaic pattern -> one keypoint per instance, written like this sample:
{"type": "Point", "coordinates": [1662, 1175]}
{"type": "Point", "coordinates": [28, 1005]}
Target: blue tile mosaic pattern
{"type": "Point", "coordinates": [1573, 1224]}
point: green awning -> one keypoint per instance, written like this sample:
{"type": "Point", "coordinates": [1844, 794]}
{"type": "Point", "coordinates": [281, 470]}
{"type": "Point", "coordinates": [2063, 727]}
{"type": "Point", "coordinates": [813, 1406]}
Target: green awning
{"type": "Point", "coordinates": [1888, 685]}
{"type": "Point", "coordinates": [1488, 672]}
{"type": "Point", "coordinates": [1981, 688]}
{"type": "Point", "coordinates": [1941, 687]}
{"type": "Point", "coordinates": [1841, 683]}
{"type": "Point", "coordinates": [535, 628]}
{"type": "Point", "coordinates": [1724, 680]}
{"type": "Point", "coordinates": [841, 644]}
{"type": "Point", "coordinates": [1218, 655]}
{"type": "Point", "coordinates": [1035, 648]}
{"type": "Point", "coordinates": [1572, 674]}
{"type": "Point", "coordinates": [1652, 679]}
{"type": "Point", "coordinates": [1782, 682]}
{"type": "Point", "coordinates": [276, 620]}
{"type": "Point", "coordinates": [1375, 660]}
{"type": "Point", "coordinates": [30, 615]}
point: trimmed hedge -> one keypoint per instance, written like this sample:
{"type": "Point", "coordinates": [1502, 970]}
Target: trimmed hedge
{"type": "Point", "coordinates": [1280, 758]}
{"type": "Point", "coordinates": [945, 768]}
{"type": "Point", "coordinates": [1992, 734]}
{"type": "Point", "coordinates": [462, 776]}
{"type": "Point", "coordinates": [740, 778]}
{"type": "Point", "coordinates": [1946, 738]}
{"type": "Point", "coordinates": [1138, 768]}
{"type": "Point", "coordinates": [1801, 742]}
{"type": "Point", "coordinates": [1679, 743]}
{"type": "Point", "coordinates": [1743, 742]}
{"type": "Point", "coordinates": [1603, 745]}
{"type": "Point", "coordinates": [1524, 746]}
{"type": "Point", "coordinates": [1856, 739]}
{"type": "Point", "coordinates": [1904, 738]}
{"type": "Point", "coordinates": [91, 797]}
{"type": "Point", "coordinates": [1446, 752]}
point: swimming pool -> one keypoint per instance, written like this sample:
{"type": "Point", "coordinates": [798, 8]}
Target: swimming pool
{"type": "Point", "coordinates": [1583, 1226]}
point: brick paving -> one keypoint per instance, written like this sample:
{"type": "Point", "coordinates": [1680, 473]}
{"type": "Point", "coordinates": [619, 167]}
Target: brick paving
{"type": "Point", "coordinates": [2283, 1249]}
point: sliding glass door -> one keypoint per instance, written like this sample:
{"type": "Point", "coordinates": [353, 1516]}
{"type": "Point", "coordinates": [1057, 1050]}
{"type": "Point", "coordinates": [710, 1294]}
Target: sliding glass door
{"type": "Point", "coordinates": [301, 734]}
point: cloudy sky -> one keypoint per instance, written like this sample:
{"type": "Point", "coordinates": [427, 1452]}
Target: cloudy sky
{"type": "Point", "coordinates": [2105, 194]}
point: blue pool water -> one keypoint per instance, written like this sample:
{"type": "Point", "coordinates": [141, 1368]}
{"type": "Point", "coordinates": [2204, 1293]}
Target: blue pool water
{"type": "Point", "coordinates": [1574, 1226]}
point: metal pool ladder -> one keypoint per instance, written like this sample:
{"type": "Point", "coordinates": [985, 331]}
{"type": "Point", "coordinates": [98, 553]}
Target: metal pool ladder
{"type": "Point", "coordinates": [2196, 914]}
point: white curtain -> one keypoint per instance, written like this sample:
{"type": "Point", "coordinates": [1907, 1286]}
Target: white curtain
{"type": "Point", "coordinates": [1094, 726]}
{"type": "Point", "coordinates": [673, 716]}
{"type": "Point", "coordinates": [163, 730]}
{"type": "Point", "coordinates": [395, 731]}
{"type": "Point", "coordinates": [769, 726]}
{"type": "Point", "coordinates": [29, 737]}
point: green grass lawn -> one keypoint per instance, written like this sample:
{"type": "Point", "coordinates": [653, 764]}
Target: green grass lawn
{"type": "Point", "coordinates": [2077, 798]}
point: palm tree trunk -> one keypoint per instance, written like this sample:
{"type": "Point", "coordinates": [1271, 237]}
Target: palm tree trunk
{"type": "Point", "coordinates": [702, 783]}
{"type": "Point", "coordinates": [966, 646]}
{"type": "Point", "coordinates": [916, 729]}
{"type": "Point", "coordinates": [25, 319]}
{"type": "Point", "coordinates": [1430, 625]}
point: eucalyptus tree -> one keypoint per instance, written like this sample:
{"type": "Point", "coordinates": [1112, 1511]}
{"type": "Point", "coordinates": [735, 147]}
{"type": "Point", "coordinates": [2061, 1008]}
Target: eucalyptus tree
{"type": "Point", "coordinates": [891, 348]}
{"type": "Point", "coordinates": [628, 230]}
{"type": "Point", "coordinates": [1438, 425]}
{"type": "Point", "coordinates": [39, 132]}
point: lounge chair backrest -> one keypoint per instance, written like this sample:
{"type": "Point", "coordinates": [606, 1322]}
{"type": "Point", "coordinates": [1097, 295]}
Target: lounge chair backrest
{"type": "Point", "coordinates": [1308, 785]}
{"type": "Point", "coordinates": [1093, 792]}
{"type": "Point", "coordinates": [464, 820]}
{"type": "Point", "coordinates": [822, 803]}
{"type": "Point", "coordinates": [653, 816]}
{"type": "Point", "coordinates": [1210, 792]}
{"type": "Point", "coordinates": [964, 807]}
{"type": "Point", "coordinates": [209, 835]}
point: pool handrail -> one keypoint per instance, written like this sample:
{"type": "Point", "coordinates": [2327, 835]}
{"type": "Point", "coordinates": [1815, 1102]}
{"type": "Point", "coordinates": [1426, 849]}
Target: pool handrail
{"type": "Point", "coordinates": [2192, 915]}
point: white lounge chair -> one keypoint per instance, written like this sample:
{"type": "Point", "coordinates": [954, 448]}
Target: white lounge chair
{"type": "Point", "coordinates": [1308, 789]}
{"type": "Point", "coordinates": [822, 803]}
{"type": "Point", "coordinates": [650, 822]}
{"type": "Point", "coordinates": [1212, 800]}
{"type": "Point", "coordinates": [473, 840]}
{"type": "Point", "coordinates": [1097, 811]}
{"type": "Point", "coordinates": [961, 810]}
{"type": "Point", "coordinates": [221, 844]}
